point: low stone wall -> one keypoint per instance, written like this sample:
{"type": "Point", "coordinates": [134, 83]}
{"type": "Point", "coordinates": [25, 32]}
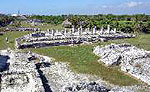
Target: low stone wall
{"type": "Point", "coordinates": [132, 60]}
{"type": "Point", "coordinates": [47, 38]}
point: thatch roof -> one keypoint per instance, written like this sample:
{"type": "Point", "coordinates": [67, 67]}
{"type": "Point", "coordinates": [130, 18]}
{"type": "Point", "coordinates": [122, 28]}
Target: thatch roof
{"type": "Point", "coordinates": [66, 23]}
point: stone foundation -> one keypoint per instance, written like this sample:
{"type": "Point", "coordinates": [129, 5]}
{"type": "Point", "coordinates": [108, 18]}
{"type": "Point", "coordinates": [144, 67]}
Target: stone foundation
{"type": "Point", "coordinates": [132, 60]}
{"type": "Point", "coordinates": [51, 38]}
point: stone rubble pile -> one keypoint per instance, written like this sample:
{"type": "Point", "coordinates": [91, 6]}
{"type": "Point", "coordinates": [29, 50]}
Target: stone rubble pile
{"type": "Point", "coordinates": [30, 72]}
{"type": "Point", "coordinates": [132, 60]}
{"type": "Point", "coordinates": [64, 37]}
{"type": "Point", "coordinates": [84, 87]}
{"type": "Point", "coordinates": [21, 74]}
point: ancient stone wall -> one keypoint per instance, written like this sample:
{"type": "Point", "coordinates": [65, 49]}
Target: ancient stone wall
{"type": "Point", "coordinates": [55, 38]}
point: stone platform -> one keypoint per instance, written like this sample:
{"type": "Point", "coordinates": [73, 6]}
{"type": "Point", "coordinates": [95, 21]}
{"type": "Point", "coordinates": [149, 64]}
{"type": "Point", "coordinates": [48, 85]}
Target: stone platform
{"type": "Point", "coordinates": [64, 37]}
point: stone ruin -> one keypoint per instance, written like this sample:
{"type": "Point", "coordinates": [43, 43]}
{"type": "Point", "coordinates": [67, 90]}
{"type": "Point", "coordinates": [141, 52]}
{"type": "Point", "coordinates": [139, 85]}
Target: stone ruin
{"type": "Point", "coordinates": [21, 74]}
{"type": "Point", "coordinates": [131, 59]}
{"type": "Point", "coordinates": [30, 72]}
{"type": "Point", "coordinates": [85, 87]}
{"type": "Point", "coordinates": [23, 29]}
{"type": "Point", "coordinates": [65, 37]}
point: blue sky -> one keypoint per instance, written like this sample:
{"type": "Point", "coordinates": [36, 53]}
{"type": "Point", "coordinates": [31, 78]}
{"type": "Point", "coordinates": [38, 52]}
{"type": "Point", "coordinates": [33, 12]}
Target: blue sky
{"type": "Point", "coordinates": [58, 7]}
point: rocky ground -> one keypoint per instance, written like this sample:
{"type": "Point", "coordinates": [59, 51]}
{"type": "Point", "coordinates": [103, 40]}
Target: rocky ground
{"type": "Point", "coordinates": [30, 72]}
{"type": "Point", "coordinates": [132, 60]}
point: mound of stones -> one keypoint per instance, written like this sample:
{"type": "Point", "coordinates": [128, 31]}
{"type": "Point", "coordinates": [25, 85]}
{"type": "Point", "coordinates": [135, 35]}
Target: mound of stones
{"type": "Point", "coordinates": [132, 60]}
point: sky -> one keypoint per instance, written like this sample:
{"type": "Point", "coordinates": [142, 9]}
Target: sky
{"type": "Point", "coordinates": [89, 7]}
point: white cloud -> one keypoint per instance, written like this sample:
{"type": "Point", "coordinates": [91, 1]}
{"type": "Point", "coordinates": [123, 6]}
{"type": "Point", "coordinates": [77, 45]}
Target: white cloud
{"type": "Point", "coordinates": [125, 5]}
{"type": "Point", "coordinates": [133, 4]}
{"type": "Point", "coordinates": [104, 6]}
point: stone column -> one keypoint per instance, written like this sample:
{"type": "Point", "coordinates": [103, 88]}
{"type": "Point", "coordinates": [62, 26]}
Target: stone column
{"type": "Point", "coordinates": [57, 31]}
{"type": "Point", "coordinates": [108, 29]}
{"type": "Point", "coordinates": [102, 30]}
{"type": "Point", "coordinates": [94, 30]}
{"type": "Point", "coordinates": [73, 29]}
{"type": "Point", "coordinates": [115, 30]}
{"type": "Point", "coordinates": [65, 31]}
{"type": "Point", "coordinates": [88, 29]}
{"type": "Point", "coordinates": [78, 31]}
{"type": "Point", "coordinates": [52, 32]}
{"type": "Point", "coordinates": [81, 29]}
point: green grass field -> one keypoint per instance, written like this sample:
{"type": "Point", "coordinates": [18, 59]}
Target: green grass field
{"type": "Point", "coordinates": [81, 58]}
{"type": "Point", "coordinates": [11, 37]}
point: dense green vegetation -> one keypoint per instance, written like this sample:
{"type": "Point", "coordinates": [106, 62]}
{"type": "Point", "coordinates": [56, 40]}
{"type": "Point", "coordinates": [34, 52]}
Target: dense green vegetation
{"type": "Point", "coordinates": [126, 23]}
{"type": "Point", "coordinates": [5, 20]}
{"type": "Point", "coordinates": [50, 19]}
{"type": "Point", "coordinates": [43, 27]}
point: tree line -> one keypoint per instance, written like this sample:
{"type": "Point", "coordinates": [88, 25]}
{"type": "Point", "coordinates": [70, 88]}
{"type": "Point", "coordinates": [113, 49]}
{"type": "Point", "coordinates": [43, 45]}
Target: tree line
{"type": "Point", "coordinates": [125, 23]}
{"type": "Point", "coordinates": [5, 20]}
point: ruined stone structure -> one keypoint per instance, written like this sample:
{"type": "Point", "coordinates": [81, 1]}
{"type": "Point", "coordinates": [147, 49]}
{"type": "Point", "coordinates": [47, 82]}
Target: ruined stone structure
{"type": "Point", "coordinates": [64, 37]}
{"type": "Point", "coordinates": [18, 72]}
{"type": "Point", "coordinates": [23, 29]}
{"type": "Point", "coordinates": [30, 72]}
{"type": "Point", "coordinates": [132, 60]}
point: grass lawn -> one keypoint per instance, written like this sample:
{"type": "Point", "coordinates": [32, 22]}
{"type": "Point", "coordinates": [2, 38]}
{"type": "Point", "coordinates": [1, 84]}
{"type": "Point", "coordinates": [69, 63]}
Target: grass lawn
{"type": "Point", "coordinates": [141, 41]}
{"type": "Point", "coordinates": [11, 37]}
{"type": "Point", "coordinates": [82, 59]}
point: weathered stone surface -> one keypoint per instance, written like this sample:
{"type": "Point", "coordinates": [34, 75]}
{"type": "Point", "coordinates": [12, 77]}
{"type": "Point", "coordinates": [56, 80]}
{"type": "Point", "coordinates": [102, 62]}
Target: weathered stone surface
{"type": "Point", "coordinates": [132, 60]}
{"type": "Point", "coordinates": [30, 72]}
{"type": "Point", "coordinates": [85, 87]}
{"type": "Point", "coordinates": [21, 75]}
{"type": "Point", "coordinates": [115, 89]}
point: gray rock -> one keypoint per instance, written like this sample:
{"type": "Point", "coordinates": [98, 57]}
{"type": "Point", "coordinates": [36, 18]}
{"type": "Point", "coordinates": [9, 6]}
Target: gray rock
{"type": "Point", "coordinates": [132, 60]}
